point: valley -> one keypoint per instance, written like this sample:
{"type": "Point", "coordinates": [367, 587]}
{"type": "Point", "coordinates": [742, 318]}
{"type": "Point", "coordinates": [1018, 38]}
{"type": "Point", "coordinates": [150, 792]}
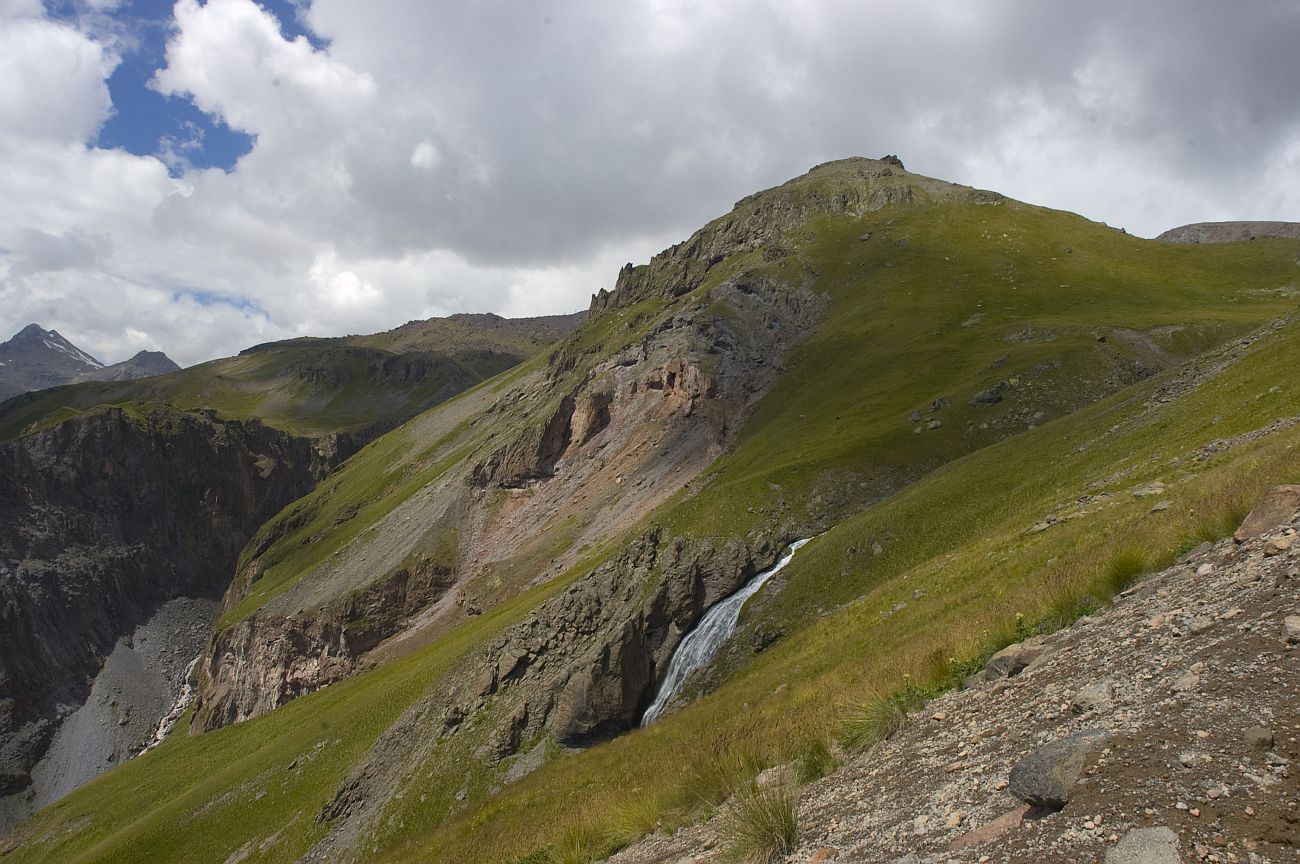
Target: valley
{"type": "Point", "coordinates": [444, 584]}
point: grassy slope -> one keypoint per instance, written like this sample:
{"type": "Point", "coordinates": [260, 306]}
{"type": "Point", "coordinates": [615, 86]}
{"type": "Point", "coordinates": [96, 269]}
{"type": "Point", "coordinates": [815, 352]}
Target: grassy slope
{"type": "Point", "coordinates": [314, 386]}
{"type": "Point", "coordinates": [959, 533]}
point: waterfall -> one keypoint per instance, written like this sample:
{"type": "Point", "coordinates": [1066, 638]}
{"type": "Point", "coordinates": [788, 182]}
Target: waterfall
{"type": "Point", "coordinates": [702, 643]}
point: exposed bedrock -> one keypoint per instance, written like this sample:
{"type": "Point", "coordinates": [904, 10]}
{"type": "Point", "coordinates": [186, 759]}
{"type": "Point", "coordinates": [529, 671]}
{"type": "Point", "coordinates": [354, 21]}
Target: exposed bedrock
{"type": "Point", "coordinates": [107, 517]}
{"type": "Point", "coordinates": [654, 414]}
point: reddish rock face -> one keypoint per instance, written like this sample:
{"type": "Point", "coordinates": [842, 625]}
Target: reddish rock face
{"type": "Point", "coordinates": [1277, 506]}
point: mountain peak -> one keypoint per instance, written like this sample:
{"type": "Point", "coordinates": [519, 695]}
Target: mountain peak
{"type": "Point", "coordinates": [34, 337]}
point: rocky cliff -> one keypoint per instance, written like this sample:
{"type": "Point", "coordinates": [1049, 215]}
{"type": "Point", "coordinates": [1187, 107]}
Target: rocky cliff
{"type": "Point", "coordinates": [107, 517]}
{"type": "Point", "coordinates": [659, 410]}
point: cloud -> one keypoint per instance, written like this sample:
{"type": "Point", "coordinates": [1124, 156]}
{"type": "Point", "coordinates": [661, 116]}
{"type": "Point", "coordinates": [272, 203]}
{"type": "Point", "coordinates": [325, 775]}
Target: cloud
{"type": "Point", "coordinates": [51, 80]}
{"type": "Point", "coordinates": [415, 159]}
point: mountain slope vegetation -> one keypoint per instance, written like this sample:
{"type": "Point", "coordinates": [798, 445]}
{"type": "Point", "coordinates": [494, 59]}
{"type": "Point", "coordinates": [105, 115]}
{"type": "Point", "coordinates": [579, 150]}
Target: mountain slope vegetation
{"type": "Point", "coordinates": [316, 386]}
{"type": "Point", "coordinates": [443, 651]}
{"type": "Point", "coordinates": [123, 501]}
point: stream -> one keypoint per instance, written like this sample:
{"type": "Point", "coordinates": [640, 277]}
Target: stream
{"type": "Point", "coordinates": [702, 643]}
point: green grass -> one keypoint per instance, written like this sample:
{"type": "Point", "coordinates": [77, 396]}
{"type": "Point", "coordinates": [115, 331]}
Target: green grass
{"type": "Point", "coordinates": [313, 387]}
{"type": "Point", "coordinates": [980, 294]}
{"type": "Point", "coordinates": [877, 719]}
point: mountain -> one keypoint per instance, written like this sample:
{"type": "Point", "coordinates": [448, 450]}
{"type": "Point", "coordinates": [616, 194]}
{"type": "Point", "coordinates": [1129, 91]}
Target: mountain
{"type": "Point", "coordinates": [124, 504]}
{"type": "Point", "coordinates": [144, 364]}
{"type": "Point", "coordinates": [987, 419]}
{"type": "Point", "coordinates": [1229, 232]}
{"type": "Point", "coordinates": [353, 385]}
{"type": "Point", "coordinates": [36, 358]}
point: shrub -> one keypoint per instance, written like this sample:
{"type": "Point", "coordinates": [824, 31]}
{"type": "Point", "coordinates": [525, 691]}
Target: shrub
{"type": "Point", "coordinates": [1125, 566]}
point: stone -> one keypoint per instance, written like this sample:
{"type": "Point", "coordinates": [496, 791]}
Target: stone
{"type": "Point", "coordinates": [825, 853]}
{"type": "Point", "coordinates": [1046, 777]}
{"type": "Point", "coordinates": [993, 830]}
{"type": "Point", "coordinates": [1093, 697]}
{"type": "Point", "coordinates": [776, 777]}
{"type": "Point", "coordinates": [1291, 628]}
{"type": "Point", "coordinates": [1014, 659]}
{"type": "Point", "coordinates": [1279, 544]}
{"type": "Point", "coordinates": [1279, 504]}
{"type": "Point", "coordinates": [1158, 845]}
{"type": "Point", "coordinates": [1149, 490]}
{"type": "Point", "coordinates": [1162, 506]}
{"type": "Point", "coordinates": [1186, 683]}
{"type": "Point", "coordinates": [934, 424]}
{"type": "Point", "coordinates": [991, 396]}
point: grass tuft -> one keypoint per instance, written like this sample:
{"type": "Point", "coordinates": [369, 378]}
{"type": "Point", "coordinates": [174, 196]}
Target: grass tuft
{"type": "Point", "coordinates": [1125, 565]}
{"type": "Point", "coordinates": [877, 719]}
{"type": "Point", "coordinates": [761, 825]}
{"type": "Point", "coordinates": [814, 761]}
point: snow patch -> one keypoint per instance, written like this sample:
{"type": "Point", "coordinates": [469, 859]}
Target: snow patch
{"type": "Point", "coordinates": [64, 346]}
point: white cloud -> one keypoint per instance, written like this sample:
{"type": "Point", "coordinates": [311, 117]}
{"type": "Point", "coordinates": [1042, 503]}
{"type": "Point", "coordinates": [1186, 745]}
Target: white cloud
{"type": "Point", "coordinates": [444, 157]}
{"type": "Point", "coordinates": [424, 156]}
{"type": "Point", "coordinates": [51, 80]}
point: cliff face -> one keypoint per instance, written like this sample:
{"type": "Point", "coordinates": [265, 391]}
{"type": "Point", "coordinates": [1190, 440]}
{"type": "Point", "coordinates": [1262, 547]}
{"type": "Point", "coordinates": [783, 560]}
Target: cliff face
{"type": "Point", "coordinates": [615, 442]}
{"type": "Point", "coordinates": [107, 517]}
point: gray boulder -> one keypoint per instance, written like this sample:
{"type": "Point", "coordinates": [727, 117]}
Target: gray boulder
{"type": "Point", "coordinates": [991, 396]}
{"type": "Point", "coordinates": [1046, 777]}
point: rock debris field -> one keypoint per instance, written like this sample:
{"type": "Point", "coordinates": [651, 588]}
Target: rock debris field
{"type": "Point", "coordinates": [1164, 729]}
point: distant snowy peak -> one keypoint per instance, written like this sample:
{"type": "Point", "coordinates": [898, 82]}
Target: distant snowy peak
{"type": "Point", "coordinates": [37, 358]}
{"type": "Point", "coordinates": [55, 341]}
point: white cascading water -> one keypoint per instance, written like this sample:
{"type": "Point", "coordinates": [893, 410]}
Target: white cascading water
{"type": "Point", "coordinates": [702, 643]}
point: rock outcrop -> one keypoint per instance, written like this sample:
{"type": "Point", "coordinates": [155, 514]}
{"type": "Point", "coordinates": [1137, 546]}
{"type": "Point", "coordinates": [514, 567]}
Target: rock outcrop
{"type": "Point", "coordinates": [108, 516]}
{"type": "Point", "coordinates": [659, 410]}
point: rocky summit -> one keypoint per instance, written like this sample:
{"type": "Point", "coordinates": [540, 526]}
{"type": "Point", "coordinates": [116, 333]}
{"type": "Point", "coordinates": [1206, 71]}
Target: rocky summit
{"type": "Point", "coordinates": [36, 358]}
{"type": "Point", "coordinates": [1003, 501]}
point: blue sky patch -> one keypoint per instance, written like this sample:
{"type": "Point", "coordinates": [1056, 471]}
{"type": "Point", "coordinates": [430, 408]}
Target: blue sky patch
{"type": "Point", "coordinates": [211, 298]}
{"type": "Point", "coordinates": [147, 123]}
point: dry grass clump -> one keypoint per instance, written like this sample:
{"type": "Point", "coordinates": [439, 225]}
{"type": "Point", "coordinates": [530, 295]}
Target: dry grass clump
{"type": "Point", "coordinates": [760, 825]}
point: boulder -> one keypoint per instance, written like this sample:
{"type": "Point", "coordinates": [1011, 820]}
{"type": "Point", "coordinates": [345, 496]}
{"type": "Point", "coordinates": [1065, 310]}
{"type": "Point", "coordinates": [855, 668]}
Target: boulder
{"type": "Point", "coordinates": [1258, 738]}
{"type": "Point", "coordinates": [1279, 504]}
{"type": "Point", "coordinates": [1046, 777]}
{"type": "Point", "coordinates": [1158, 845]}
{"type": "Point", "coordinates": [1093, 697]}
{"type": "Point", "coordinates": [1014, 659]}
{"type": "Point", "coordinates": [991, 396]}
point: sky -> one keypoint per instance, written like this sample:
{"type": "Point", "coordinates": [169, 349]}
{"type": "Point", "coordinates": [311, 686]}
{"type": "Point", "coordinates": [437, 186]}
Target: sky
{"type": "Point", "coordinates": [197, 177]}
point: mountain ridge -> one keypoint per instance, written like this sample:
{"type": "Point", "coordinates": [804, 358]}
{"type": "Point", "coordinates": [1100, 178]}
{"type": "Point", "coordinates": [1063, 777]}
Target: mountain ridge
{"type": "Point", "coordinates": [980, 407]}
{"type": "Point", "coordinates": [35, 359]}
